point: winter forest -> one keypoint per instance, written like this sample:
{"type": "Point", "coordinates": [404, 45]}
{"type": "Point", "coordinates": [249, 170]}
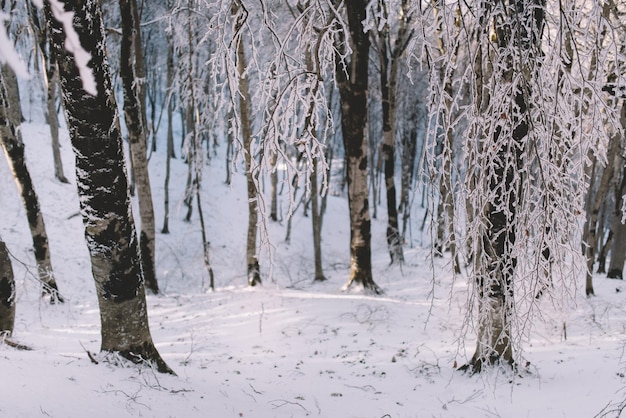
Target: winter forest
{"type": "Point", "coordinates": [336, 208]}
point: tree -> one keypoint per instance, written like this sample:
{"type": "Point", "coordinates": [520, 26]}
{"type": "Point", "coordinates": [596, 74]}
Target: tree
{"type": "Point", "coordinates": [7, 293]}
{"type": "Point", "coordinates": [390, 51]}
{"type": "Point", "coordinates": [239, 16]}
{"type": "Point", "coordinates": [137, 138]}
{"type": "Point", "coordinates": [101, 179]}
{"type": "Point", "coordinates": [50, 78]}
{"type": "Point", "coordinates": [352, 78]}
{"type": "Point", "coordinates": [13, 147]}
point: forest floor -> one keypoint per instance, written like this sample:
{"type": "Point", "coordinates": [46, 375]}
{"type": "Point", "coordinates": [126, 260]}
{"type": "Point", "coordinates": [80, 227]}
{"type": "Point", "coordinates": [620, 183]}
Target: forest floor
{"type": "Point", "coordinates": [290, 348]}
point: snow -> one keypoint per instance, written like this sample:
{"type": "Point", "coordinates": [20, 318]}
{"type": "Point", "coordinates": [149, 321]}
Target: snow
{"type": "Point", "coordinates": [72, 45]}
{"type": "Point", "coordinates": [290, 348]}
{"type": "Point", "coordinates": [8, 55]}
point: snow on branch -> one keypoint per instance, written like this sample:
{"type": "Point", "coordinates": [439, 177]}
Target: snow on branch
{"type": "Point", "coordinates": [72, 44]}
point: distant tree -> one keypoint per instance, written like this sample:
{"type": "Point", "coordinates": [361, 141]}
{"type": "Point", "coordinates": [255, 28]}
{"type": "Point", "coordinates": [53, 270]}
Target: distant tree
{"type": "Point", "coordinates": [13, 147]}
{"type": "Point", "coordinates": [390, 48]}
{"type": "Point", "coordinates": [101, 179]}
{"type": "Point", "coordinates": [50, 77]}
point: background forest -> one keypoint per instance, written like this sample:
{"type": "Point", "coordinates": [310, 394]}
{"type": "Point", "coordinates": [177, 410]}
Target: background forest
{"type": "Point", "coordinates": [363, 208]}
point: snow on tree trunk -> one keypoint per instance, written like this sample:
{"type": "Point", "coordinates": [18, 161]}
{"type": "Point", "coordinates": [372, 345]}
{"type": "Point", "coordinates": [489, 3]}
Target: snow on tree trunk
{"type": "Point", "coordinates": [103, 187]}
{"type": "Point", "coordinates": [516, 32]}
{"type": "Point", "coordinates": [353, 85]}
{"type": "Point", "coordinates": [13, 147]}
{"type": "Point", "coordinates": [7, 293]}
{"type": "Point", "coordinates": [137, 138]}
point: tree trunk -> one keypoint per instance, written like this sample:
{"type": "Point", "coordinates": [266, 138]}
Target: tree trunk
{"type": "Point", "coordinates": [137, 138]}
{"type": "Point", "coordinates": [316, 218]}
{"type": "Point", "coordinates": [517, 32]}
{"type": "Point", "coordinates": [618, 250]}
{"type": "Point", "coordinates": [49, 73]}
{"type": "Point", "coordinates": [353, 85]}
{"type": "Point", "coordinates": [7, 293]}
{"type": "Point", "coordinates": [13, 147]}
{"type": "Point", "coordinates": [170, 133]}
{"type": "Point", "coordinates": [103, 187]}
{"type": "Point", "coordinates": [254, 275]}
{"type": "Point", "coordinates": [274, 188]}
{"type": "Point", "coordinates": [594, 203]}
{"type": "Point", "coordinates": [53, 122]}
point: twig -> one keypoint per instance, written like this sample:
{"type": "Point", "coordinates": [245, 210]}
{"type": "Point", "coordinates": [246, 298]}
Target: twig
{"type": "Point", "coordinates": [91, 357]}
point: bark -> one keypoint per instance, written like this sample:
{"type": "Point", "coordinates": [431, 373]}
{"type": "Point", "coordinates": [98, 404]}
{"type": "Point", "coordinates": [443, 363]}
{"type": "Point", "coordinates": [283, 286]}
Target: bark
{"type": "Point", "coordinates": [618, 249]}
{"type": "Point", "coordinates": [53, 122]}
{"type": "Point", "coordinates": [170, 134]}
{"type": "Point", "coordinates": [103, 190]}
{"type": "Point", "coordinates": [594, 203]}
{"type": "Point", "coordinates": [50, 78]}
{"type": "Point", "coordinates": [495, 265]}
{"type": "Point", "coordinates": [137, 138]}
{"type": "Point", "coordinates": [409, 152]}
{"type": "Point", "coordinates": [618, 253]}
{"type": "Point", "coordinates": [353, 84]}
{"type": "Point", "coordinates": [7, 293]}
{"type": "Point", "coordinates": [254, 275]}
{"type": "Point", "coordinates": [316, 218]}
{"type": "Point", "coordinates": [274, 188]}
{"type": "Point", "coordinates": [13, 147]}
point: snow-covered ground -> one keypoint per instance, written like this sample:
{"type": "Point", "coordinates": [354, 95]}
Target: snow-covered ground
{"type": "Point", "coordinates": [290, 347]}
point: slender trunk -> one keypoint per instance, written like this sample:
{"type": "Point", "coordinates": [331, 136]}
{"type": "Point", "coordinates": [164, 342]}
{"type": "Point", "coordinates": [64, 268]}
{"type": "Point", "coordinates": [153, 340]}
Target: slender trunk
{"type": "Point", "coordinates": [254, 275]}
{"type": "Point", "coordinates": [103, 188]}
{"type": "Point", "coordinates": [274, 188]}
{"type": "Point", "coordinates": [590, 229]}
{"type": "Point", "coordinates": [618, 250]}
{"type": "Point", "coordinates": [388, 82]}
{"type": "Point", "coordinates": [170, 135]}
{"type": "Point", "coordinates": [353, 86]}
{"type": "Point", "coordinates": [53, 122]}
{"type": "Point", "coordinates": [13, 147]}
{"type": "Point", "coordinates": [316, 217]}
{"type": "Point", "coordinates": [137, 139]}
{"type": "Point", "coordinates": [205, 243]}
{"type": "Point", "coordinates": [7, 293]}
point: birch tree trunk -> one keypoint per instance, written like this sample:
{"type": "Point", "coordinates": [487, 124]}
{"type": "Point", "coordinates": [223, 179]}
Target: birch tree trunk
{"type": "Point", "coordinates": [170, 132]}
{"type": "Point", "coordinates": [137, 138]}
{"type": "Point", "coordinates": [50, 78]}
{"type": "Point", "coordinates": [7, 293]}
{"type": "Point", "coordinates": [13, 147]}
{"type": "Point", "coordinates": [353, 85]}
{"type": "Point", "coordinates": [254, 275]}
{"type": "Point", "coordinates": [102, 185]}
{"type": "Point", "coordinates": [516, 38]}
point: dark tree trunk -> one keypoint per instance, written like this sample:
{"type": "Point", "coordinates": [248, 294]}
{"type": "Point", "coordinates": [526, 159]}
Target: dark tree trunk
{"type": "Point", "coordinates": [13, 147]}
{"type": "Point", "coordinates": [353, 84]}
{"type": "Point", "coordinates": [618, 249]}
{"type": "Point", "coordinates": [103, 189]}
{"type": "Point", "coordinates": [7, 293]}
{"type": "Point", "coordinates": [517, 32]}
{"type": "Point", "coordinates": [137, 138]}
